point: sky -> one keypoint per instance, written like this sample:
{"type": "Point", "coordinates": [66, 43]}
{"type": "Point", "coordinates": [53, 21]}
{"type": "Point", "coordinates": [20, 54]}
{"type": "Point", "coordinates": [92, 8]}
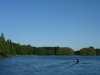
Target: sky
{"type": "Point", "coordinates": [63, 23]}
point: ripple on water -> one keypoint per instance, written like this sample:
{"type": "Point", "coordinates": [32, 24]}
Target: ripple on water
{"type": "Point", "coordinates": [50, 66]}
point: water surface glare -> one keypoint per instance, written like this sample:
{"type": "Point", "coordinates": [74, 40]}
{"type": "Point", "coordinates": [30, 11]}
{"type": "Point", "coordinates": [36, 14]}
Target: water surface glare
{"type": "Point", "coordinates": [50, 65]}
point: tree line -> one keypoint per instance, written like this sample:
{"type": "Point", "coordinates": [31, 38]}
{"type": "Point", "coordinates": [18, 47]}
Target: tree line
{"type": "Point", "coordinates": [9, 48]}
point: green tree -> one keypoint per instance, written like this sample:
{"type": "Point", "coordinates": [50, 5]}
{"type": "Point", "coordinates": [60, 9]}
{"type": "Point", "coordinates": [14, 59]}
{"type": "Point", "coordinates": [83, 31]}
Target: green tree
{"type": "Point", "coordinates": [13, 51]}
{"type": "Point", "coordinates": [24, 50]}
{"type": "Point", "coordinates": [65, 51]}
{"type": "Point", "coordinates": [91, 47]}
{"type": "Point", "coordinates": [19, 49]}
{"type": "Point", "coordinates": [77, 52]}
{"type": "Point", "coordinates": [4, 50]}
{"type": "Point", "coordinates": [87, 51]}
{"type": "Point", "coordinates": [49, 52]}
{"type": "Point", "coordinates": [97, 51]}
{"type": "Point", "coordinates": [30, 50]}
{"type": "Point", "coordinates": [41, 51]}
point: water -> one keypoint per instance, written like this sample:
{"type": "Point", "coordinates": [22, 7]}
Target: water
{"type": "Point", "coordinates": [50, 65]}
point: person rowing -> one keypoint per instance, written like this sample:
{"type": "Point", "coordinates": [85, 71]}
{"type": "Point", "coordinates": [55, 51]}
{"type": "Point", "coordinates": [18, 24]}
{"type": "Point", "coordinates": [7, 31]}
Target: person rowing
{"type": "Point", "coordinates": [77, 60]}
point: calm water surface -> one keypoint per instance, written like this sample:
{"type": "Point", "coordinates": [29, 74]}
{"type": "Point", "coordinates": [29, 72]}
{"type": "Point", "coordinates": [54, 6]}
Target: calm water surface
{"type": "Point", "coordinates": [50, 65]}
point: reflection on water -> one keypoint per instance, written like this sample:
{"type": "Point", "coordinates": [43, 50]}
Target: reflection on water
{"type": "Point", "coordinates": [50, 65]}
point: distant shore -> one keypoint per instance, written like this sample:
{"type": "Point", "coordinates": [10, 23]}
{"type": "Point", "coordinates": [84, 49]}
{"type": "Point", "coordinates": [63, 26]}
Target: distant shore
{"type": "Point", "coordinates": [41, 55]}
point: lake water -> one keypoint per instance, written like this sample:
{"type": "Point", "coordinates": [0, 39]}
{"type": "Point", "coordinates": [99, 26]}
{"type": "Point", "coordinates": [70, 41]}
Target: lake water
{"type": "Point", "coordinates": [50, 65]}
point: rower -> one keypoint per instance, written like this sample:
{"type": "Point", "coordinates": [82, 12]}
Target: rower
{"type": "Point", "coordinates": [77, 60]}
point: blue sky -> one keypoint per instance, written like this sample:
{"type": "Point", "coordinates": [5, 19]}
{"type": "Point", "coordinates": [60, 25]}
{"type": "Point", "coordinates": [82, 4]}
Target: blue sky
{"type": "Point", "coordinates": [64, 23]}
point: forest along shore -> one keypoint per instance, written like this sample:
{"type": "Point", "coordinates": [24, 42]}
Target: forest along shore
{"type": "Point", "coordinates": [9, 48]}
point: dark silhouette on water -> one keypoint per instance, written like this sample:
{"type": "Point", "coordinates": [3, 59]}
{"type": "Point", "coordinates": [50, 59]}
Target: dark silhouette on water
{"type": "Point", "coordinates": [77, 61]}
